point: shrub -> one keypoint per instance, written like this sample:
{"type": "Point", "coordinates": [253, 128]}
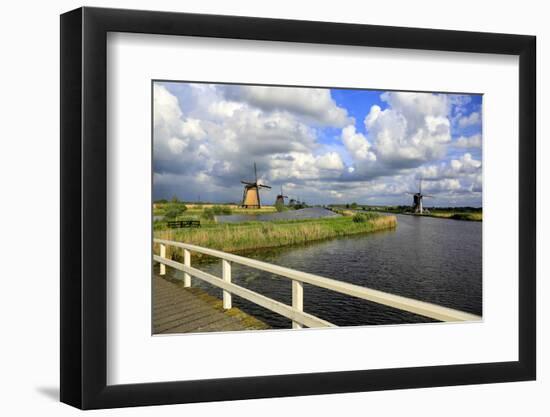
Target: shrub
{"type": "Point", "coordinates": [364, 217]}
{"type": "Point", "coordinates": [359, 218]}
{"type": "Point", "coordinates": [208, 214]}
{"type": "Point", "coordinates": [279, 206]}
{"type": "Point", "coordinates": [174, 209]}
{"type": "Point", "coordinates": [172, 213]}
{"type": "Point", "coordinates": [217, 210]}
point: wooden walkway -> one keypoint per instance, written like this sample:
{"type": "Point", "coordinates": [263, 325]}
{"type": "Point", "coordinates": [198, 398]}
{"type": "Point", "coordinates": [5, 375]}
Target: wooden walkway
{"type": "Point", "coordinates": [190, 310]}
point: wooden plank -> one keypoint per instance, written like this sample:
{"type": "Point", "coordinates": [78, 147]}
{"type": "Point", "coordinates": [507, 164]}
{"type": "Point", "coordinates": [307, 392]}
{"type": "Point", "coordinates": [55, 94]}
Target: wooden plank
{"type": "Point", "coordinates": [163, 254]}
{"type": "Point", "coordinates": [167, 298]}
{"type": "Point", "coordinates": [185, 311]}
{"type": "Point", "coordinates": [176, 322]}
{"type": "Point", "coordinates": [226, 276]}
{"type": "Point", "coordinates": [223, 326]}
{"type": "Point", "coordinates": [297, 300]}
{"type": "Point", "coordinates": [176, 302]}
{"type": "Point", "coordinates": [177, 310]}
{"type": "Point", "coordinates": [186, 261]}
{"type": "Point", "coordinates": [165, 308]}
{"type": "Point", "coordinates": [186, 318]}
{"type": "Point", "coordinates": [182, 315]}
{"type": "Point", "coordinates": [162, 309]}
{"type": "Point", "coordinates": [195, 325]}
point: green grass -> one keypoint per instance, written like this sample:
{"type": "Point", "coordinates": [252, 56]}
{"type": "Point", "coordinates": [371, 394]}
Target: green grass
{"type": "Point", "coordinates": [256, 235]}
{"type": "Point", "coordinates": [159, 208]}
{"type": "Point", "coordinates": [474, 216]}
{"type": "Point", "coordinates": [364, 217]}
{"type": "Point", "coordinates": [455, 213]}
{"type": "Point", "coordinates": [205, 213]}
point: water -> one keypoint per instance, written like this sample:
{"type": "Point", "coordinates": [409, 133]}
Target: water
{"type": "Point", "coordinates": [433, 260]}
{"type": "Point", "coordinates": [306, 213]}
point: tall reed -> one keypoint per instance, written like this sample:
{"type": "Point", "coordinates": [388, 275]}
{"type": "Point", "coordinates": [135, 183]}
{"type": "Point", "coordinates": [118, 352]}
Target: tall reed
{"type": "Point", "coordinates": [239, 237]}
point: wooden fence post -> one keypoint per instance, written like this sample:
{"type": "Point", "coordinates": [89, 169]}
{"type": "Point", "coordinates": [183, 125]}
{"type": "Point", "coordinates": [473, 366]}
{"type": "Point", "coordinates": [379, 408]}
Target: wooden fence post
{"type": "Point", "coordinates": [297, 300]}
{"type": "Point", "coordinates": [226, 276]}
{"type": "Point", "coordinates": [186, 262]}
{"type": "Point", "coordinates": [162, 255]}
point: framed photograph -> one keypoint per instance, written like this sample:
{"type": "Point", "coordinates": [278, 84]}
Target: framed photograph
{"type": "Point", "coordinates": [258, 208]}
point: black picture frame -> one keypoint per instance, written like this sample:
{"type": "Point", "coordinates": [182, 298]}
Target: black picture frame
{"type": "Point", "coordinates": [84, 207]}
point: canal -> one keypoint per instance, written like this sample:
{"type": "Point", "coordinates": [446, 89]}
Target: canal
{"type": "Point", "coordinates": [429, 259]}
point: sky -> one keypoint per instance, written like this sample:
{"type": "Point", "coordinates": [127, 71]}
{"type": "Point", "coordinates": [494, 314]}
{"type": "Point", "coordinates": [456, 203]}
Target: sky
{"type": "Point", "coordinates": [324, 146]}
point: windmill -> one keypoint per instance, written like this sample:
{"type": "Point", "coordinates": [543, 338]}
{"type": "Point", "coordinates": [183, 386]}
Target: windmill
{"type": "Point", "coordinates": [251, 193]}
{"type": "Point", "coordinates": [281, 198]}
{"type": "Point", "coordinates": [417, 200]}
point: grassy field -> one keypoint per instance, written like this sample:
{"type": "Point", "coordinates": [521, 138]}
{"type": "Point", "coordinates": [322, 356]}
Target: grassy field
{"type": "Point", "coordinates": [204, 212]}
{"type": "Point", "coordinates": [459, 214]}
{"type": "Point", "coordinates": [475, 216]}
{"type": "Point", "coordinates": [194, 209]}
{"type": "Point", "coordinates": [256, 235]}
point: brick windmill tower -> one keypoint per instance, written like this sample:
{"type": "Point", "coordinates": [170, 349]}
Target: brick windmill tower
{"type": "Point", "coordinates": [251, 193]}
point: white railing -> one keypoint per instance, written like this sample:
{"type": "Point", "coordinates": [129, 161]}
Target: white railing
{"type": "Point", "coordinates": [295, 312]}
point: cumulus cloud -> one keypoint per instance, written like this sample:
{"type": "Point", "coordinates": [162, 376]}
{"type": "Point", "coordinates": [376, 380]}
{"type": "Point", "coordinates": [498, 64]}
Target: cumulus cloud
{"type": "Point", "coordinates": [176, 138]}
{"type": "Point", "coordinates": [413, 129]}
{"type": "Point", "coordinates": [229, 137]}
{"type": "Point", "coordinates": [446, 185]}
{"type": "Point", "coordinates": [472, 119]}
{"type": "Point", "coordinates": [473, 141]}
{"type": "Point", "coordinates": [315, 104]}
{"type": "Point", "coordinates": [302, 167]}
{"type": "Point", "coordinates": [330, 161]}
{"type": "Point", "coordinates": [465, 165]}
{"type": "Point", "coordinates": [224, 108]}
{"type": "Point", "coordinates": [356, 144]}
{"type": "Point", "coordinates": [207, 137]}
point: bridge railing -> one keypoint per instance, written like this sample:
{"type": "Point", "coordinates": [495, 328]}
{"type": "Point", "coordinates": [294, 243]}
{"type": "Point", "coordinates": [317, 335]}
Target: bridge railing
{"type": "Point", "coordinates": [295, 312]}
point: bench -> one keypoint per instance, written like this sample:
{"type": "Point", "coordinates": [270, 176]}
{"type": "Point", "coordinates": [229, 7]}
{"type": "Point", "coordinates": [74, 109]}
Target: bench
{"type": "Point", "coordinates": [179, 224]}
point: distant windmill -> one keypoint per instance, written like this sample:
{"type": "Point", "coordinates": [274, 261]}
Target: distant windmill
{"type": "Point", "coordinates": [251, 194]}
{"type": "Point", "coordinates": [281, 198]}
{"type": "Point", "coordinates": [417, 199]}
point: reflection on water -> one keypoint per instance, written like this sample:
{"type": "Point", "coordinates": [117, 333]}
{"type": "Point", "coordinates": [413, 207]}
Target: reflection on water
{"type": "Point", "coordinates": [434, 260]}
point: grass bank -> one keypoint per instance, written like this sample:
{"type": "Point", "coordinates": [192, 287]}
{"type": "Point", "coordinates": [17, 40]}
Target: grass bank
{"type": "Point", "coordinates": [456, 213]}
{"type": "Point", "coordinates": [204, 212]}
{"type": "Point", "coordinates": [257, 235]}
{"type": "Point", "coordinates": [472, 216]}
